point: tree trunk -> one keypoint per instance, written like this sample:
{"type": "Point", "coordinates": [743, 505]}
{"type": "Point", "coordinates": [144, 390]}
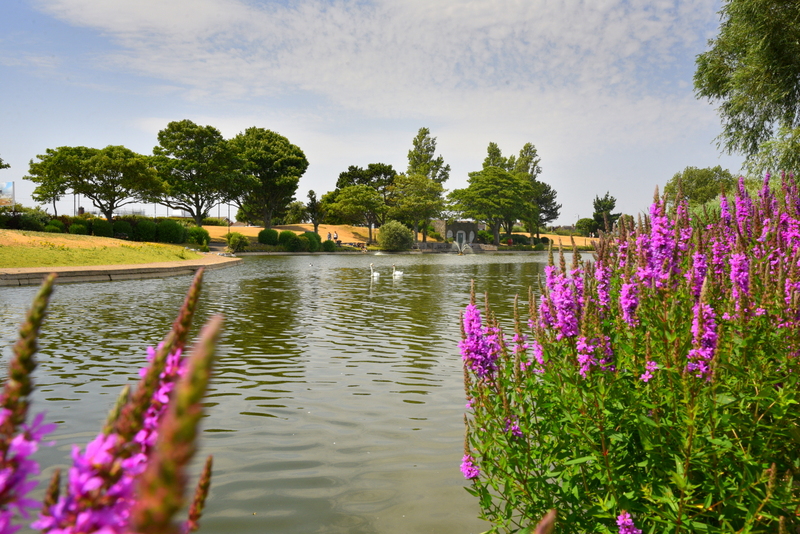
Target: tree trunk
{"type": "Point", "coordinates": [109, 215]}
{"type": "Point", "coordinates": [369, 225]}
{"type": "Point", "coordinates": [316, 227]}
{"type": "Point", "coordinates": [198, 219]}
{"type": "Point", "coordinates": [496, 232]}
{"type": "Point", "coordinates": [416, 230]}
{"type": "Point", "coordinates": [267, 218]}
{"type": "Point", "coordinates": [425, 232]}
{"type": "Point", "coordinates": [55, 210]}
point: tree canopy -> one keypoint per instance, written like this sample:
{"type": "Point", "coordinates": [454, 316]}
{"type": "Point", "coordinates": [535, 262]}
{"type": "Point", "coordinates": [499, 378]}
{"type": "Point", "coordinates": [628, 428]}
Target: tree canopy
{"type": "Point", "coordinates": [269, 169]}
{"type": "Point", "coordinates": [3, 164]}
{"type": "Point", "coordinates": [315, 210]}
{"type": "Point", "coordinates": [416, 198]}
{"type": "Point", "coordinates": [698, 186]}
{"type": "Point", "coordinates": [422, 158]}
{"type": "Point", "coordinates": [197, 167]}
{"type": "Point", "coordinates": [359, 204]}
{"type": "Point", "coordinates": [493, 195]}
{"type": "Point", "coordinates": [110, 177]}
{"type": "Point", "coordinates": [753, 70]}
{"type": "Point", "coordinates": [602, 211]}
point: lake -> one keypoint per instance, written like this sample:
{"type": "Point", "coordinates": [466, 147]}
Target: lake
{"type": "Point", "coordinates": [337, 401]}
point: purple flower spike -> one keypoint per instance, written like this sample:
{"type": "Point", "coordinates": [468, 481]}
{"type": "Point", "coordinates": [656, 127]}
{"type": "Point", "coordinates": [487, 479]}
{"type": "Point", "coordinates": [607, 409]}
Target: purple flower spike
{"type": "Point", "coordinates": [480, 347]}
{"type": "Point", "coordinates": [468, 468]}
{"type": "Point", "coordinates": [625, 524]}
{"type": "Point", "coordinates": [704, 332]}
{"type": "Point", "coordinates": [649, 367]}
{"type": "Point", "coordinates": [629, 301]}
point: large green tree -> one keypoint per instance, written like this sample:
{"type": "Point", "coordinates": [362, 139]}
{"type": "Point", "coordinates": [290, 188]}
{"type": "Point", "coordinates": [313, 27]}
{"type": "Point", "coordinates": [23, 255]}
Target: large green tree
{"type": "Point", "coordinates": [753, 71]}
{"type": "Point", "coordinates": [269, 168]}
{"type": "Point", "coordinates": [197, 167]}
{"type": "Point", "coordinates": [315, 210]}
{"type": "Point", "coordinates": [416, 199]}
{"type": "Point", "coordinates": [359, 204]}
{"type": "Point", "coordinates": [698, 186]}
{"type": "Point", "coordinates": [543, 209]}
{"type": "Point", "coordinates": [110, 177]}
{"type": "Point", "coordinates": [602, 215]}
{"type": "Point", "coordinates": [378, 176]}
{"type": "Point", "coordinates": [422, 158]}
{"type": "Point", "coordinates": [493, 195]}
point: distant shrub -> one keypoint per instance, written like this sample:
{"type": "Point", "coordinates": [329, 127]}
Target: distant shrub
{"type": "Point", "coordinates": [268, 236]}
{"type": "Point", "coordinates": [198, 236]}
{"type": "Point", "coordinates": [102, 228]}
{"type": "Point", "coordinates": [544, 241]}
{"type": "Point", "coordinates": [123, 229]}
{"type": "Point", "coordinates": [485, 237]}
{"type": "Point", "coordinates": [169, 231]}
{"type": "Point", "coordinates": [291, 242]}
{"type": "Point", "coordinates": [518, 239]}
{"type": "Point", "coordinates": [53, 229]}
{"type": "Point", "coordinates": [395, 236]}
{"type": "Point", "coordinates": [214, 221]}
{"type": "Point", "coordinates": [78, 229]}
{"type": "Point", "coordinates": [285, 236]}
{"type": "Point", "coordinates": [314, 241]}
{"type": "Point", "coordinates": [58, 224]}
{"type": "Point", "coordinates": [328, 246]}
{"type": "Point", "coordinates": [435, 236]}
{"type": "Point", "coordinates": [303, 244]}
{"type": "Point", "coordinates": [30, 221]}
{"type": "Point", "coordinates": [204, 248]}
{"type": "Point", "coordinates": [145, 230]}
{"type": "Point", "coordinates": [236, 242]}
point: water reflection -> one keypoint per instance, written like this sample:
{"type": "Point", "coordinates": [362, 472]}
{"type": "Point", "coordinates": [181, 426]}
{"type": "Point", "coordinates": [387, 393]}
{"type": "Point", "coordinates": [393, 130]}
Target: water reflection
{"type": "Point", "coordinates": [337, 400]}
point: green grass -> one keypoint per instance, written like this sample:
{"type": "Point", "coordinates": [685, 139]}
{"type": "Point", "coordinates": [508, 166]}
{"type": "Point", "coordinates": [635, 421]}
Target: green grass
{"type": "Point", "coordinates": [64, 250]}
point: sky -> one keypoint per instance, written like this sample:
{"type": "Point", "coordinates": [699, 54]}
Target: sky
{"type": "Point", "coordinates": [602, 88]}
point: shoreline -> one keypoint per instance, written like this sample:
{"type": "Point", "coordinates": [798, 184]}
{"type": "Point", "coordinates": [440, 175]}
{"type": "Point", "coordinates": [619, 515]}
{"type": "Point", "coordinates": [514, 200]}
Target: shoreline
{"type": "Point", "coordinates": [29, 276]}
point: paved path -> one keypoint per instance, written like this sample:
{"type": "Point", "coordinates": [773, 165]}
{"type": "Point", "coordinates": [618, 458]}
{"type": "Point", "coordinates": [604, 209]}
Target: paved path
{"type": "Point", "coordinates": [105, 273]}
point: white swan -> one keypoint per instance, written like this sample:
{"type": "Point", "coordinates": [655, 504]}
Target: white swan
{"type": "Point", "coordinates": [375, 274]}
{"type": "Point", "coordinates": [395, 272]}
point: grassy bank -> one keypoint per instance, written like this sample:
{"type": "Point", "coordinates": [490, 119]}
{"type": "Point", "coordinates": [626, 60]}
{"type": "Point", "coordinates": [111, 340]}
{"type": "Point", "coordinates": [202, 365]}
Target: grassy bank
{"type": "Point", "coordinates": [39, 249]}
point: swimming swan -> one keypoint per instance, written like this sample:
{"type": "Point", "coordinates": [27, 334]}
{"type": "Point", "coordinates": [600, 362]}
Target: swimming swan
{"type": "Point", "coordinates": [374, 273]}
{"type": "Point", "coordinates": [395, 272]}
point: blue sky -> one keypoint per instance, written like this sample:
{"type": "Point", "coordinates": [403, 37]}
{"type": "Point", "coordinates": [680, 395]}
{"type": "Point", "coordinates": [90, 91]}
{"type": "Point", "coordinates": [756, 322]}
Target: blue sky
{"type": "Point", "coordinates": [602, 88]}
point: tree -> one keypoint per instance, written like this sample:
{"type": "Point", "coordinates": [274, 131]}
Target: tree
{"type": "Point", "coordinates": [493, 196]}
{"type": "Point", "coordinates": [753, 71]}
{"type": "Point", "coordinates": [395, 236]}
{"type": "Point", "coordinates": [378, 176]}
{"type": "Point", "coordinates": [110, 177]}
{"type": "Point", "coordinates": [295, 213]}
{"type": "Point", "coordinates": [698, 186]}
{"type": "Point", "coordinates": [359, 204]}
{"type": "Point", "coordinates": [782, 152]}
{"type": "Point", "coordinates": [315, 210]}
{"type": "Point", "coordinates": [602, 211]}
{"type": "Point", "coordinates": [270, 168]}
{"type": "Point", "coordinates": [196, 164]}
{"type": "Point", "coordinates": [416, 198]}
{"type": "Point", "coordinates": [51, 174]}
{"type": "Point", "coordinates": [545, 209]}
{"type": "Point", "coordinates": [421, 158]}
{"type": "Point", "coordinates": [3, 164]}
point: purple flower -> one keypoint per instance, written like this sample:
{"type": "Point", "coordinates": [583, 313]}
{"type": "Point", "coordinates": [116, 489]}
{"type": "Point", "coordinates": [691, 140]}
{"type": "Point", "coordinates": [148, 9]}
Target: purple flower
{"type": "Point", "coordinates": [625, 524]}
{"type": "Point", "coordinates": [629, 302]}
{"type": "Point", "coordinates": [704, 341]}
{"type": "Point", "coordinates": [697, 274]}
{"type": "Point", "coordinates": [649, 367]}
{"type": "Point", "coordinates": [586, 357]}
{"type": "Point", "coordinates": [740, 278]}
{"type": "Point", "coordinates": [512, 427]}
{"type": "Point", "coordinates": [603, 276]}
{"type": "Point", "coordinates": [468, 468]}
{"type": "Point", "coordinates": [725, 212]}
{"type": "Point", "coordinates": [480, 347]}
{"type": "Point", "coordinates": [564, 299]}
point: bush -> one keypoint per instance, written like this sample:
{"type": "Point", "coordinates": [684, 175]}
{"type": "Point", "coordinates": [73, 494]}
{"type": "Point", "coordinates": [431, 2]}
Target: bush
{"type": "Point", "coordinates": [268, 236]}
{"type": "Point", "coordinates": [58, 224]}
{"type": "Point", "coordinates": [198, 235]}
{"type": "Point", "coordinates": [52, 229]}
{"type": "Point", "coordinates": [31, 222]}
{"type": "Point", "coordinates": [285, 237]}
{"type": "Point", "coordinates": [395, 236]}
{"type": "Point", "coordinates": [585, 226]}
{"type": "Point", "coordinates": [145, 230]}
{"type": "Point", "coordinates": [303, 244]}
{"type": "Point", "coordinates": [214, 221]}
{"type": "Point", "coordinates": [236, 241]}
{"type": "Point", "coordinates": [544, 240]}
{"type": "Point", "coordinates": [517, 239]}
{"type": "Point", "coordinates": [436, 236]}
{"type": "Point", "coordinates": [78, 229]}
{"type": "Point", "coordinates": [169, 231]}
{"type": "Point", "coordinates": [314, 241]}
{"type": "Point", "coordinates": [102, 228]}
{"type": "Point", "coordinates": [123, 229]}
{"type": "Point", "coordinates": [485, 237]}
{"type": "Point", "coordinates": [328, 246]}
{"type": "Point", "coordinates": [659, 384]}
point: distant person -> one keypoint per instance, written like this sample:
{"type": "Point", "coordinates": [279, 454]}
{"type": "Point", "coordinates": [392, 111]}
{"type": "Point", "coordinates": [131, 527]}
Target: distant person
{"type": "Point", "coordinates": [329, 236]}
{"type": "Point", "coordinates": [336, 236]}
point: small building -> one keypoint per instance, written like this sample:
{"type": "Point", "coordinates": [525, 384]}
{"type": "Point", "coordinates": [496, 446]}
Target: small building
{"type": "Point", "coordinates": [461, 232]}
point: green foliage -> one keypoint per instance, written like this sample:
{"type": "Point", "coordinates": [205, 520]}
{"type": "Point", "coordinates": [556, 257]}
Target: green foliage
{"type": "Point", "coordinates": [123, 229]}
{"type": "Point", "coordinates": [328, 246]}
{"type": "Point", "coordinates": [237, 242]}
{"type": "Point", "coordinates": [53, 229]}
{"type": "Point", "coordinates": [285, 237]}
{"type": "Point", "coordinates": [58, 224]}
{"type": "Point", "coordinates": [295, 213]}
{"type": "Point", "coordinates": [268, 236]}
{"type": "Point", "coordinates": [303, 244]}
{"type": "Point", "coordinates": [519, 239]}
{"type": "Point", "coordinates": [359, 204]}
{"type": "Point", "coordinates": [214, 221]}
{"type": "Point", "coordinates": [198, 235]}
{"type": "Point", "coordinates": [78, 229]}
{"type": "Point", "coordinates": [314, 241]}
{"type": "Point", "coordinates": [169, 231]}
{"type": "Point", "coordinates": [145, 230]}
{"type": "Point", "coordinates": [394, 236]}
{"type": "Point", "coordinates": [753, 71]}
{"type": "Point", "coordinates": [197, 166]}
{"type": "Point", "coordinates": [421, 158]}
{"type": "Point", "coordinates": [102, 228]}
{"type": "Point", "coordinates": [698, 186]}
{"type": "Point", "coordinates": [586, 227]}
{"type": "Point", "coordinates": [485, 237]}
{"type": "Point", "coordinates": [602, 211]}
{"type": "Point", "coordinates": [416, 198]}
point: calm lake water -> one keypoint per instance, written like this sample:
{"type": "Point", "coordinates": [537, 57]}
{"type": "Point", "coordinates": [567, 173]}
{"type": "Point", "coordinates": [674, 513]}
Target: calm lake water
{"type": "Point", "coordinates": [337, 401]}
